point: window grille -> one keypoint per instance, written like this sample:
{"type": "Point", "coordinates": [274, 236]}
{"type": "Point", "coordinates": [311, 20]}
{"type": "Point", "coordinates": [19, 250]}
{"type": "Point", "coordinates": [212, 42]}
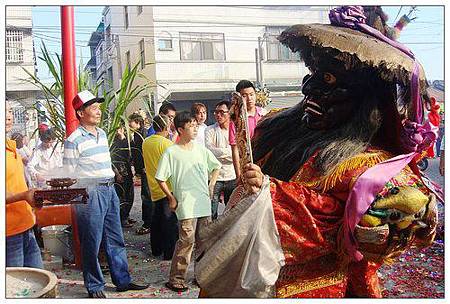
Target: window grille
{"type": "Point", "coordinates": [19, 115]}
{"type": "Point", "coordinates": [14, 46]}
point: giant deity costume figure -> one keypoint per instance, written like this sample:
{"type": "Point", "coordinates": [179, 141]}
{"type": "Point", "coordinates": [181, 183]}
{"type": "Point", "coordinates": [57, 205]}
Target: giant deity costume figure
{"type": "Point", "coordinates": [338, 192]}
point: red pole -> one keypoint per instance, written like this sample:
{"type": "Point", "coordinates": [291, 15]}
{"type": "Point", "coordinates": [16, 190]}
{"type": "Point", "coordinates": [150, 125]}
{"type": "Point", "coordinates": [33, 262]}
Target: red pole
{"type": "Point", "coordinates": [69, 67]}
{"type": "Point", "coordinates": [70, 91]}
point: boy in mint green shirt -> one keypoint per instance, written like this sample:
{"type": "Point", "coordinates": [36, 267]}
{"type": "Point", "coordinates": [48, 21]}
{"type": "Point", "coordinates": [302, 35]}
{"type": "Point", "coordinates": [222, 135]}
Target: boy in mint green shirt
{"type": "Point", "coordinates": [187, 165]}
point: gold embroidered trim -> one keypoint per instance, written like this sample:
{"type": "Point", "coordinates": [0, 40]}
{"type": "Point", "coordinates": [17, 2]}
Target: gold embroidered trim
{"type": "Point", "coordinates": [307, 285]}
{"type": "Point", "coordinates": [325, 183]}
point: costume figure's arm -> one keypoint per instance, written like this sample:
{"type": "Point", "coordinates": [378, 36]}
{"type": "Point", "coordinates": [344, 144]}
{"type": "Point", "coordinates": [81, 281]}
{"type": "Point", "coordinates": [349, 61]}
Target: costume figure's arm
{"type": "Point", "coordinates": [307, 221]}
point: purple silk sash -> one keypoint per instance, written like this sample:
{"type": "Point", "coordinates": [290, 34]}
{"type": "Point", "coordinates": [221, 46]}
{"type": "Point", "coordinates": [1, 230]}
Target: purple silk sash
{"type": "Point", "coordinates": [414, 136]}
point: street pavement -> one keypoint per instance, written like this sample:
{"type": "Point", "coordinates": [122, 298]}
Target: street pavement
{"type": "Point", "coordinates": [419, 275]}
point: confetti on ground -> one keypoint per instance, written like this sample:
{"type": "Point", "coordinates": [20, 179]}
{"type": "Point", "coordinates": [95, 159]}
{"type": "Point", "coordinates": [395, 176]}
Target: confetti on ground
{"type": "Point", "coordinates": [418, 273]}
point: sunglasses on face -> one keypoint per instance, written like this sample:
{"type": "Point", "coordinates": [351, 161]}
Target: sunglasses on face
{"type": "Point", "coordinates": [221, 112]}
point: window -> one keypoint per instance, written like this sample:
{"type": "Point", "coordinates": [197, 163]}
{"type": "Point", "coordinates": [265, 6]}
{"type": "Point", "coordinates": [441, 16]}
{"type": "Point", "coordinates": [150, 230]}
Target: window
{"type": "Point", "coordinates": [142, 52]}
{"type": "Point", "coordinates": [165, 44]}
{"type": "Point", "coordinates": [275, 50]}
{"type": "Point", "coordinates": [139, 9]}
{"type": "Point", "coordinates": [93, 73]}
{"type": "Point", "coordinates": [19, 114]}
{"type": "Point", "coordinates": [109, 81]}
{"type": "Point", "coordinates": [125, 8]}
{"type": "Point", "coordinates": [108, 39]}
{"type": "Point", "coordinates": [202, 46]}
{"type": "Point", "coordinates": [14, 46]}
{"type": "Point", "coordinates": [165, 41]}
{"type": "Point", "coordinates": [100, 56]}
{"type": "Point", "coordinates": [128, 59]}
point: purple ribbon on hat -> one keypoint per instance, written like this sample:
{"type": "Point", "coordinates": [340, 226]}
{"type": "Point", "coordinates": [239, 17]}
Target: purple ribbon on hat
{"type": "Point", "coordinates": [353, 17]}
{"type": "Point", "coordinates": [414, 136]}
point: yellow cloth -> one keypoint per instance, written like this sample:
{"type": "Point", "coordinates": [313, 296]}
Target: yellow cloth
{"type": "Point", "coordinates": [19, 215]}
{"type": "Point", "coordinates": [153, 148]}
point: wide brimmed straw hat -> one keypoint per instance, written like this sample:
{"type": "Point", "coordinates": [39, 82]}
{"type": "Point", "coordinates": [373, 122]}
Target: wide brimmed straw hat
{"type": "Point", "coordinates": [355, 49]}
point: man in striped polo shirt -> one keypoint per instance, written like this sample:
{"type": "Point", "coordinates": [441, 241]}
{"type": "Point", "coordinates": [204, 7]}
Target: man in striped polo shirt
{"type": "Point", "coordinates": [86, 156]}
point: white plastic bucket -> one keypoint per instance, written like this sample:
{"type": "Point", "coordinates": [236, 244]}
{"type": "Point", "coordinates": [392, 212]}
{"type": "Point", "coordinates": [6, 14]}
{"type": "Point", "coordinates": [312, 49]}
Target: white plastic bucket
{"type": "Point", "coordinates": [56, 240]}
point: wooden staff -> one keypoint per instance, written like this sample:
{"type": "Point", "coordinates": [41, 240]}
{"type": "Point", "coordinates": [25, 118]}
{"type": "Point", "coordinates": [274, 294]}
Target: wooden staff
{"type": "Point", "coordinates": [239, 116]}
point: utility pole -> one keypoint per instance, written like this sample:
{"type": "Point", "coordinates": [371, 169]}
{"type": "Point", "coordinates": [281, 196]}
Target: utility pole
{"type": "Point", "coordinates": [70, 91]}
{"type": "Point", "coordinates": [69, 67]}
{"type": "Point", "coordinates": [260, 59]}
{"type": "Point", "coordinates": [257, 60]}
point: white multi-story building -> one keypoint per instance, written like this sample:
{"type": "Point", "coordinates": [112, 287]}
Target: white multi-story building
{"type": "Point", "coordinates": [199, 53]}
{"type": "Point", "coordinates": [19, 53]}
{"type": "Point", "coordinates": [91, 66]}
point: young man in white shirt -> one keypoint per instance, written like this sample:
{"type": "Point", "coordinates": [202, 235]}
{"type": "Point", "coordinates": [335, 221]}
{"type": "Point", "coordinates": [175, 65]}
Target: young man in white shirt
{"type": "Point", "coordinates": [216, 140]}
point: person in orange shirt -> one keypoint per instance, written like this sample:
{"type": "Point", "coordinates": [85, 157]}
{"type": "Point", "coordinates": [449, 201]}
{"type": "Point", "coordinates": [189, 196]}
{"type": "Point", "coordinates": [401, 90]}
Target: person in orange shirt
{"type": "Point", "coordinates": [22, 249]}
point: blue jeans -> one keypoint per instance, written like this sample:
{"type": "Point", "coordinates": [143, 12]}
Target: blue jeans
{"type": "Point", "coordinates": [100, 219]}
{"type": "Point", "coordinates": [22, 250]}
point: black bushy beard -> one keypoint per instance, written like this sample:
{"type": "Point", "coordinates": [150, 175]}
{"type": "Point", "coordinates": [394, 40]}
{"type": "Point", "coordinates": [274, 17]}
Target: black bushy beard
{"type": "Point", "coordinates": [292, 143]}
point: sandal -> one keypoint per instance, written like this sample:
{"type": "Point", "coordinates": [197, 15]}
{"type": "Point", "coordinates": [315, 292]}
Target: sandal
{"type": "Point", "coordinates": [142, 231]}
{"type": "Point", "coordinates": [127, 225]}
{"type": "Point", "coordinates": [177, 287]}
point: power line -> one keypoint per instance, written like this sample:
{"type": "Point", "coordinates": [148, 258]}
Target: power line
{"type": "Point", "coordinates": [398, 13]}
{"type": "Point", "coordinates": [226, 38]}
{"type": "Point", "coordinates": [166, 26]}
{"type": "Point", "coordinates": [183, 15]}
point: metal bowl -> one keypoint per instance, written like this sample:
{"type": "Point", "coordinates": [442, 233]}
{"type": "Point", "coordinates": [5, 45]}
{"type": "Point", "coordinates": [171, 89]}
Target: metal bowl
{"type": "Point", "coordinates": [24, 282]}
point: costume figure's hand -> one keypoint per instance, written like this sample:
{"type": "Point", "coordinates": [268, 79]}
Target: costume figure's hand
{"type": "Point", "coordinates": [253, 177]}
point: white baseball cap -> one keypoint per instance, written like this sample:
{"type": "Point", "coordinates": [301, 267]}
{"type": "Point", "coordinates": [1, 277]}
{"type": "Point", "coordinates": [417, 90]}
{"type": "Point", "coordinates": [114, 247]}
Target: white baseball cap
{"type": "Point", "coordinates": [83, 98]}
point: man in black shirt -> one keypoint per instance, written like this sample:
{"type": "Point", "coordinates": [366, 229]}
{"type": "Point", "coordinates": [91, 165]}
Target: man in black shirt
{"type": "Point", "coordinates": [136, 123]}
